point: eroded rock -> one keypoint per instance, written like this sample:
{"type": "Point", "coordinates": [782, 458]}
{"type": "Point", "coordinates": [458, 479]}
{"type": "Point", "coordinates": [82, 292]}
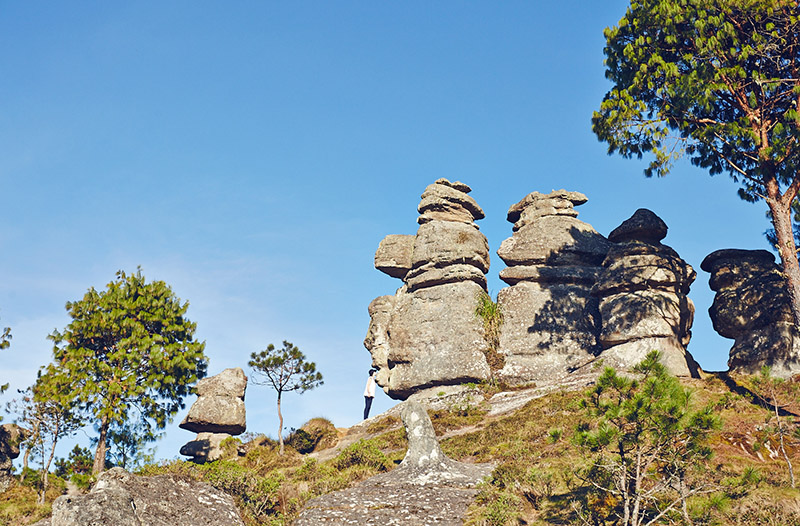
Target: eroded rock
{"type": "Point", "coordinates": [11, 435]}
{"type": "Point", "coordinates": [122, 499]}
{"type": "Point", "coordinates": [427, 334]}
{"type": "Point", "coordinates": [752, 307]}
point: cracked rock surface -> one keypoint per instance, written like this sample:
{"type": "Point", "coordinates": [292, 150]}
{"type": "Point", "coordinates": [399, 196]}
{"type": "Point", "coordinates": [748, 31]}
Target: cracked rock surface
{"type": "Point", "coordinates": [427, 487]}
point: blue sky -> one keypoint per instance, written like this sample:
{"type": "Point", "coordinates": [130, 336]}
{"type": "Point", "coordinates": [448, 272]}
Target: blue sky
{"type": "Point", "coordinates": [253, 155]}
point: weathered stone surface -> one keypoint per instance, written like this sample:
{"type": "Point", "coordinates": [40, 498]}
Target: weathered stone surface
{"type": "Point", "coordinates": [673, 355]}
{"type": "Point", "coordinates": [205, 447]}
{"type": "Point", "coordinates": [643, 297]}
{"type": "Point", "coordinates": [643, 225]}
{"type": "Point", "coordinates": [636, 266]}
{"type": "Point", "coordinates": [442, 243]}
{"type": "Point", "coordinates": [548, 330]}
{"type": "Point", "coordinates": [10, 437]}
{"type": "Point", "coordinates": [645, 314]}
{"type": "Point", "coordinates": [560, 199]}
{"type": "Point", "coordinates": [430, 275]}
{"type": "Point", "coordinates": [393, 256]}
{"type": "Point", "coordinates": [377, 340]}
{"type": "Point", "coordinates": [444, 197]}
{"type": "Point", "coordinates": [121, 499]}
{"type": "Point", "coordinates": [554, 241]}
{"type": "Point", "coordinates": [752, 306]}
{"type": "Point", "coordinates": [776, 345]}
{"type": "Point", "coordinates": [436, 339]}
{"type": "Point", "coordinates": [216, 414]}
{"type": "Point", "coordinates": [427, 488]}
{"type": "Point", "coordinates": [427, 334]}
{"type": "Point", "coordinates": [543, 274]}
{"type": "Point", "coordinates": [230, 382]}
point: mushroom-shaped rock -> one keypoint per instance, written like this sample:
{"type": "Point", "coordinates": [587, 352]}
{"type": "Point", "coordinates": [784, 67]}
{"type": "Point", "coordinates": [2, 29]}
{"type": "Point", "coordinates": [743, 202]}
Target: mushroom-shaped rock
{"type": "Point", "coordinates": [643, 225]}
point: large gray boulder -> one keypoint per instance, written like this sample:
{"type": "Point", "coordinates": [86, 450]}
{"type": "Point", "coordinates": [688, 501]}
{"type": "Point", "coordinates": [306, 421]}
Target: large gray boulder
{"type": "Point", "coordinates": [121, 499]}
{"type": "Point", "coordinates": [550, 319]}
{"type": "Point", "coordinates": [752, 307]}
{"type": "Point", "coordinates": [219, 411]}
{"type": "Point", "coordinates": [11, 435]}
{"type": "Point", "coordinates": [643, 297]}
{"type": "Point", "coordinates": [427, 334]}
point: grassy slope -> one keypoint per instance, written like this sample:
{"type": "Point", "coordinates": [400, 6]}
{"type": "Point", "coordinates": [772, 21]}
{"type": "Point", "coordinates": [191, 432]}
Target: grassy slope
{"type": "Point", "coordinates": [535, 480]}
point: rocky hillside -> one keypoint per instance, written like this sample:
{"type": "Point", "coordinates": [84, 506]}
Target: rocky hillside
{"type": "Point", "coordinates": [525, 439]}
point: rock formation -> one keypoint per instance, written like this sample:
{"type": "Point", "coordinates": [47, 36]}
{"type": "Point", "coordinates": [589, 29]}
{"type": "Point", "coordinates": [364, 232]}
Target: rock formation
{"type": "Point", "coordinates": [10, 437]}
{"type": "Point", "coordinates": [217, 414]}
{"type": "Point", "coordinates": [427, 334]}
{"type": "Point", "coordinates": [752, 307]}
{"type": "Point", "coordinates": [427, 487]}
{"type": "Point", "coordinates": [551, 320]}
{"type": "Point", "coordinates": [643, 297]}
{"type": "Point", "coordinates": [122, 499]}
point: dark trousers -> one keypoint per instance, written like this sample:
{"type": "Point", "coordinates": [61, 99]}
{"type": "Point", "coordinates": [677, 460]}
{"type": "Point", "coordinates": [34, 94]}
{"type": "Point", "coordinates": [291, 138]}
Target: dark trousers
{"type": "Point", "coordinates": [367, 406]}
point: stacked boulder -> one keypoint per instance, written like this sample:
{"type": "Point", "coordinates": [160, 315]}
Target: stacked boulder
{"type": "Point", "coordinates": [217, 414]}
{"type": "Point", "coordinates": [752, 307]}
{"type": "Point", "coordinates": [11, 435]}
{"type": "Point", "coordinates": [427, 334]}
{"type": "Point", "coordinates": [550, 319]}
{"type": "Point", "coordinates": [643, 297]}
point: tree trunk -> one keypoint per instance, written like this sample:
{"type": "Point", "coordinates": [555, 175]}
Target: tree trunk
{"type": "Point", "coordinates": [31, 444]}
{"type": "Point", "coordinates": [782, 221]}
{"type": "Point", "coordinates": [46, 474]}
{"type": "Point", "coordinates": [100, 452]}
{"type": "Point", "coordinates": [280, 425]}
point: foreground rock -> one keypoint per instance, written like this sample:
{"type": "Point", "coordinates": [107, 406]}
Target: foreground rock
{"type": "Point", "coordinates": [752, 307]}
{"type": "Point", "coordinates": [427, 334]}
{"type": "Point", "coordinates": [121, 499]}
{"type": "Point", "coordinates": [427, 487]}
{"type": "Point", "coordinates": [217, 414]}
{"type": "Point", "coordinates": [644, 304]}
{"type": "Point", "coordinates": [10, 437]}
{"type": "Point", "coordinates": [551, 320]}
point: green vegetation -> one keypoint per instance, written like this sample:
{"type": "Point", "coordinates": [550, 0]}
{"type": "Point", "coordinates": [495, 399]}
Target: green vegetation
{"type": "Point", "coordinates": [285, 370]}
{"type": "Point", "coordinates": [717, 81]}
{"type": "Point", "coordinates": [491, 315]}
{"type": "Point", "coordinates": [5, 342]}
{"type": "Point", "coordinates": [127, 357]}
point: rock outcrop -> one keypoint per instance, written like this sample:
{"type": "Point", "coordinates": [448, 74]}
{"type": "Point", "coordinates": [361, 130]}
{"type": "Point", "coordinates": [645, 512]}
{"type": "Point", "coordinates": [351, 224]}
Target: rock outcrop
{"type": "Point", "coordinates": [427, 487]}
{"type": "Point", "coordinates": [752, 307]}
{"type": "Point", "coordinates": [551, 320]}
{"type": "Point", "coordinates": [10, 437]}
{"type": "Point", "coordinates": [122, 499]}
{"type": "Point", "coordinates": [427, 334]}
{"type": "Point", "coordinates": [217, 414]}
{"type": "Point", "coordinates": [643, 297]}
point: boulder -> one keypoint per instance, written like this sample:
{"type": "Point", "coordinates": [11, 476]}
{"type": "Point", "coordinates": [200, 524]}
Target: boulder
{"type": "Point", "coordinates": [11, 435]}
{"type": "Point", "coordinates": [122, 499]}
{"type": "Point", "coordinates": [393, 256]}
{"type": "Point", "coordinates": [643, 297]}
{"type": "Point", "coordinates": [205, 447]}
{"type": "Point", "coordinates": [428, 334]}
{"type": "Point", "coordinates": [218, 410]}
{"type": "Point", "coordinates": [752, 307]}
{"type": "Point", "coordinates": [550, 319]}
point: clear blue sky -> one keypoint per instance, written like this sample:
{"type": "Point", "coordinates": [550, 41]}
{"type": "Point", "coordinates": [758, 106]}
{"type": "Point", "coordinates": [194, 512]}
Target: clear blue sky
{"type": "Point", "coordinates": [253, 154]}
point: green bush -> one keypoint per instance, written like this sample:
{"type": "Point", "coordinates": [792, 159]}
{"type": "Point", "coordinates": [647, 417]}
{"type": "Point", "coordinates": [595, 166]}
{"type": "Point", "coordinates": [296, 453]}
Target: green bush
{"type": "Point", "coordinates": [362, 453]}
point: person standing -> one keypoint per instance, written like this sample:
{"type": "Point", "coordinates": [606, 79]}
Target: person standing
{"type": "Point", "coordinates": [369, 393]}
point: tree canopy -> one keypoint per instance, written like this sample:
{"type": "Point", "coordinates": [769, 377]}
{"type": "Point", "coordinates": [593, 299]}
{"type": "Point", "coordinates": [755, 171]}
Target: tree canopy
{"type": "Point", "coordinates": [285, 370]}
{"type": "Point", "coordinates": [127, 355]}
{"type": "Point", "coordinates": [716, 80]}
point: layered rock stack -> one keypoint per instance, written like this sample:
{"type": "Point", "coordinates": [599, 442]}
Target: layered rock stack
{"type": "Point", "coordinates": [551, 320]}
{"type": "Point", "coordinates": [752, 307]}
{"type": "Point", "coordinates": [218, 413]}
{"type": "Point", "coordinates": [643, 297]}
{"type": "Point", "coordinates": [10, 437]}
{"type": "Point", "coordinates": [427, 334]}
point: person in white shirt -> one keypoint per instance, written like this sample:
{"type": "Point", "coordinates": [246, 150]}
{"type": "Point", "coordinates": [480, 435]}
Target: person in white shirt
{"type": "Point", "coordinates": [369, 393]}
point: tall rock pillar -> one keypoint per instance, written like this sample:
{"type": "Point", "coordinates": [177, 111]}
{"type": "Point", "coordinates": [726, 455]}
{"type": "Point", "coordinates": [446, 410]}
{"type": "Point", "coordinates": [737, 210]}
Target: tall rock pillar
{"type": "Point", "coordinates": [427, 334]}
